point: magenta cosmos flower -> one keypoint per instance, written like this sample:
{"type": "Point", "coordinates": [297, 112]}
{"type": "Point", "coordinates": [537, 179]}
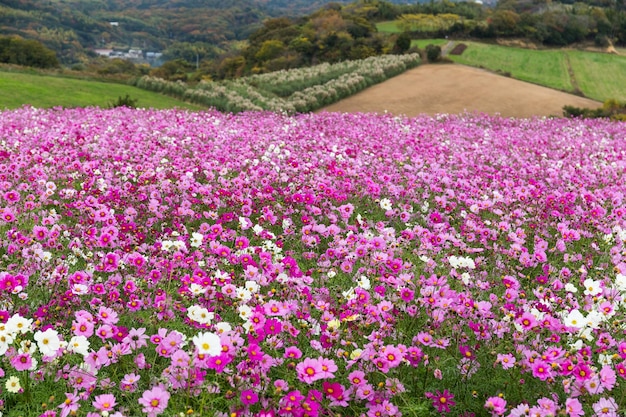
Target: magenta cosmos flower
{"type": "Point", "coordinates": [442, 401]}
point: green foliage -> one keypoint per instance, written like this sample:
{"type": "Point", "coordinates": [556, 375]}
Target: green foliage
{"type": "Point", "coordinates": [28, 53]}
{"type": "Point", "coordinates": [270, 49]}
{"type": "Point", "coordinates": [403, 43]}
{"type": "Point", "coordinates": [505, 23]}
{"type": "Point", "coordinates": [125, 101]}
{"type": "Point", "coordinates": [611, 109]}
{"type": "Point", "coordinates": [422, 22]}
{"type": "Point", "coordinates": [433, 53]}
{"type": "Point", "coordinates": [173, 70]}
{"type": "Point", "coordinates": [118, 66]}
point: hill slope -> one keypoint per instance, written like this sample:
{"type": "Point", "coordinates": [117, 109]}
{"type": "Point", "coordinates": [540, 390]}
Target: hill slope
{"type": "Point", "coordinates": [71, 27]}
{"type": "Point", "coordinates": [20, 89]}
{"type": "Point", "coordinates": [433, 89]}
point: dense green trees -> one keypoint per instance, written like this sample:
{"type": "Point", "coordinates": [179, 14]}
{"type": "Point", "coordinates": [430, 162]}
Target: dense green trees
{"type": "Point", "coordinates": [29, 53]}
{"type": "Point", "coordinates": [333, 33]}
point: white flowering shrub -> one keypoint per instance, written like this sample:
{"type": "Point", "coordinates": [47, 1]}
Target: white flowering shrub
{"type": "Point", "coordinates": [296, 90]}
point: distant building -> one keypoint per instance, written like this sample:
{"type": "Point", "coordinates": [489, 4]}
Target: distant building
{"type": "Point", "coordinates": [114, 23]}
{"type": "Point", "coordinates": [134, 55]}
{"type": "Point", "coordinates": [104, 52]}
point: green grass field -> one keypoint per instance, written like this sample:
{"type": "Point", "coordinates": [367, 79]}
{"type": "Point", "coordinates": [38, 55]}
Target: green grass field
{"type": "Point", "coordinates": [390, 26]}
{"type": "Point", "coordinates": [600, 76]}
{"type": "Point", "coordinates": [18, 89]}
{"type": "Point", "coordinates": [548, 68]}
{"type": "Point", "coordinates": [422, 43]}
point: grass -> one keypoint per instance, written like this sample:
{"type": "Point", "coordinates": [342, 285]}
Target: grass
{"type": "Point", "coordinates": [390, 26]}
{"type": "Point", "coordinates": [44, 91]}
{"type": "Point", "coordinates": [548, 68]}
{"type": "Point", "coordinates": [600, 76]}
{"type": "Point", "coordinates": [422, 43]}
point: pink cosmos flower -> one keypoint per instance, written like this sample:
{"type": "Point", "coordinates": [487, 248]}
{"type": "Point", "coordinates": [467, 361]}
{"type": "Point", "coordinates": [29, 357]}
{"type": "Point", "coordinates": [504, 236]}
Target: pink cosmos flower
{"type": "Point", "coordinates": [357, 378]}
{"type": "Point", "coordinates": [496, 405]}
{"type": "Point", "coordinates": [542, 370]}
{"type": "Point", "coordinates": [573, 407]}
{"type": "Point", "coordinates": [507, 360]}
{"type": "Point", "coordinates": [104, 402]}
{"type": "Point", "coordinates": [442, 401]}
{"type": "Point", "coordinates": [332, 389]}
{"type": "Point", "coordinates": [249, 397]}
{"type": "Point", "coordinates": [582, 372]}
{"type": "Point", "coordinates": [606, 407]}
{"type": "Point", "coordinates": [69, 405]}
{"type": "Point", "coordinates": [292, 352]}
{"type": "Point", "coordinates": [22, 362]}
{"type": "Point", "coordinates": [309, 370]}
{"type": "Point", "coordinates": [154, 401]}
{"type": "Point", "coordinates": [328, 367]}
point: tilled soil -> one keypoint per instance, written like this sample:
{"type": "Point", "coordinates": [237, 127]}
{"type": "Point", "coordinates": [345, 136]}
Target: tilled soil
{"type": "Point", "coordinates": [453, 89]}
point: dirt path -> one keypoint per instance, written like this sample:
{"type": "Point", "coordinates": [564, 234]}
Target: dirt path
{"type": "Point", "coordinates": [453, 88]}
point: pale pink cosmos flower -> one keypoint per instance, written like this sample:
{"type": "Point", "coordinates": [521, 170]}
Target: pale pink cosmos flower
{"type": "Point", "coordinates": [606, 407]}
{"type": "Point", "coordinates": [154, 401]}
{"type": "Point", "coordinates": [104, 402]}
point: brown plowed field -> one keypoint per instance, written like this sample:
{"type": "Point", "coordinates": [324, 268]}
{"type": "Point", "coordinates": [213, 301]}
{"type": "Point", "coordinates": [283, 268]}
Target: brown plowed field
{"type": "Point", "coordinates": [453, 88]}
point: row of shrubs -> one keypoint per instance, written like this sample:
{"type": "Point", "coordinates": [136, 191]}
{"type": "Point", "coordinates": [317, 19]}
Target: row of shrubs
{"type": "Point", "coordinates": [296, 90]}
{"type": "Point", "coordinates": [611, 109]}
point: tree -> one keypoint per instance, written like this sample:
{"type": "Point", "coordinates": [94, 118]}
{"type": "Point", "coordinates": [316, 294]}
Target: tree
{"type": "Point", "coordinates": [29, 53]}
{"type": "Point", "coordinates": [403, 43]}
{"type": "Point", "coordinates": [173, 70]}
{"type": "Point", "coordinates": [433, 53]}
{"type": "Point", "coordinates": [270, 49]}
{"type": "Point", "coordinates": [505, 22]}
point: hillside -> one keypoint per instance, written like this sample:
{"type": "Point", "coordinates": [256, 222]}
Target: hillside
{"type": "Point", "coordinates": [74, 27]}
{"type": "Point", "coordinates": [21, 89]}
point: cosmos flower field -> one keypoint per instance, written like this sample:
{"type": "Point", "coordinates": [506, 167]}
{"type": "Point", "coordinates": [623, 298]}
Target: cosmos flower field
{"type": "Point", "coordinates": [207, 264]}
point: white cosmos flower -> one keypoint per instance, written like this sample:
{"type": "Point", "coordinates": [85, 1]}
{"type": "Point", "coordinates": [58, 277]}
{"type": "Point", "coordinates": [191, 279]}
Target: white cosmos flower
{"type": "Point", "coordinates": [592, 287]}
{"type": "Point", "coordinates": [620, 282]}
{"type": "Point", "coordinates": [200, 314]}
{"type": "Point", "coordinates": [5, 341]}
{"type": "Point", "coordinates": [569, 287]}
{"type": "Point", "coordinates": [48, 342]}
{"type": "Point", "coordinates": [385, 204]}
{"type": "Point", "coordinates": [593, 319]}
{"type": "Point", "coordinates": [223, 327]}
{"type": "Point", "coordinates": [208, 343]}
{"type": "Point", "coordinates": [18, 324]}
{"type": "Point", "coordinates": [79, 344]}
{"type": "Point", "coordinates": [574, 319]}
{"type": "Point", "coordinates": [364, 282]}
{"type": "Point", "coordinates": [13, 385]}
{"type": "Point", "coordinates": [245, 311]}
{"type": "Point", "coordinates": [252, 286]}
{"type": "Point", "coordinates": [243, 294]}
{"type": "Point", "coordinates": [196, 289]}
{"type": "Point", "coordinates": [196, 240]}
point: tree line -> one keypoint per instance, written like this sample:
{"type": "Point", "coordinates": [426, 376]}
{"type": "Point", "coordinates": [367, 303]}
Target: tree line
{"type": "Point", "coordinates": [26, 52]}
